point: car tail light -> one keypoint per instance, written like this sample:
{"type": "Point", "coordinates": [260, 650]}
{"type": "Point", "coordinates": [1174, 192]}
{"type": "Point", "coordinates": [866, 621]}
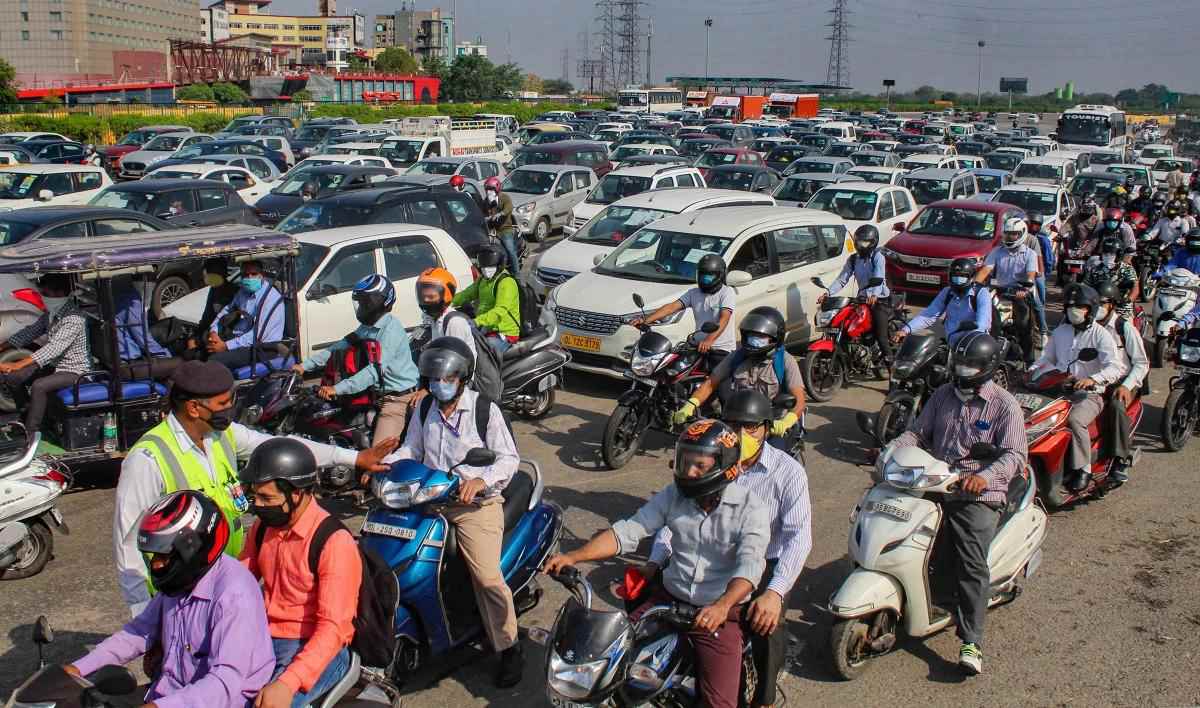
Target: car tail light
{"type": "Point", "coordinates": [30, 296]}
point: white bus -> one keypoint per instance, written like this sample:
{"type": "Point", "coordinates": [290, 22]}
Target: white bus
{"type": "Point", "coordinates": [1088, 125]}
{"type": "Point", "coordinates": [655, 100]}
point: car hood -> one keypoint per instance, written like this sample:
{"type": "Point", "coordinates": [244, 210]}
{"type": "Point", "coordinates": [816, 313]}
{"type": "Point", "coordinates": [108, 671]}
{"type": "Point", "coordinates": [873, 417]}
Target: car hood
{"type": "Point", "coordinates": [593, 292]}
{"type": "Point", "coordinates": [910, 244]}
{"type": "Point", "coordinates": [119, 150]}
{"type": "Point", "coordinates": [572, 256]}
{"type": "Point", "coordinates": [281, 204]}
{"type": "Point", "coordinates": [519, 198]}
{"type": "Point", "coordinates": [147, 156]}
{"type": "Point", "coordinates": [10, 204]}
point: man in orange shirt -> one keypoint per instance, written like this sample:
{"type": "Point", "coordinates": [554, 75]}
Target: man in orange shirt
{"type": "Point", "coordinates": [310, 616]}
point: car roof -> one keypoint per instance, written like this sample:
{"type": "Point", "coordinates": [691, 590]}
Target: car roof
{"type": "Point", "coordinates": [333, 237]}
{"type": "Point", "coordinates": [864, 186]}
{"type": "Point", "coordinates": [204, 166]}
{"type": "Point", "coordinates": [33, 144]}
{"type": "Point", "coordinates": [455, 159]}
{"type": "Point", "coordinates": [1033, 187]}
{"type": "Point", "coordinates": [737, 220]}
{"type": "Point", "coordinates": [166, 184]}
{"type": "Point", "coordinates": [825, 159]}
{"type": "Point", "coordinates": [817, 176]}
{"type": "Point", "coordinates": [1130, 165]}
{"type": "Point", "coordinates": [989, 172]}
{"type": "Point", "coordinates": [1103, 174]}
{"type": "Point", "coordinates": [937, 173]}
{"type": "Point", "coordinates": [873, 152]}
{"type": "Point", "coordinates": [550, 168]}
{"type": "Point", "coordinates": [686, 198]}
{"type": "Point", "coordinates": [349, 170]}
{"type": "Point", "coordinates": [50, 214]}
{"type": "Point", "coordinates": [1047, 160]}
{"type": "Point", "coordinates": [648, 170]}
{"type": "Point", "coordinates": [46, 169]}
{"type": "Point", "coordinates": [740, 168]}
{"type": "Point", "coordinates": [1158, 145]}
{"type": "Point", "coordinates": [878, 168]}
{"type": "Point", "coordinates": [973, 205]}
{"type": "Point", "coordinates": [926, 157]}
{"type": "Point", "coordinates": [372, 195]}
{"type": "Point", "coordinates": [565, 146]}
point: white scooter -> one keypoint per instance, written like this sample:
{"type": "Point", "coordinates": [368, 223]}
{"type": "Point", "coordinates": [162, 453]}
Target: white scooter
{"type": "Point", "coordinates": [1177, 295]}
{"type": "Point", "coordinates": [893, 531]}
{"type": "Point", "coordinates": [30, 489]}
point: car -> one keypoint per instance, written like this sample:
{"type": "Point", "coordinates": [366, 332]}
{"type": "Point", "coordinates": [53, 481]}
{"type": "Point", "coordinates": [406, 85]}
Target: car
{"type": "Point", "coordinates": [727, 156]}
{"type": "Point", "coordinates": [932, 184]}
{"type": "Point", "coordinates": [969, 162]}
{"type": "Point", "coordinates": [476, 168]}
{"type": "Point", "coordinates": [843, 149]}
{"type": "Point", "coordinates": [1045, 170]}
{"type": "Point", "coordinates": [783, 155]}
{"type": "Point", "coordinates": [640, 136]}
{"type": "Point", "coordinates": [906, 150]}
{"type": "Point", "coordinates": [1081, 158]}
{"type": "Point", "coordinates": [874, 158]}
{"type": "Point", "coordinates": [227, 146]}
{"type": "Point", "coordinates": [696, 147]}
{"type": "Point", "coordinates": [558, 137]}
{"type": "Point", "coordinates": [744, 178]}
{"type": "Point", "coordinates": [796, 189]}
{"type": "Point", "coordinates": [18, 137]}
{"type": "Point", "coordinates": [288, 195]}
{"type": "Point", "coordinates": [57, 152]}
{"type": "Point", "coordinates": [329, 159]}
{"type": "Point", "coordinates": [772, 254]}
{"type": "Point", "coordinates": [1096, 182]}
{"type": "Point", "coordinates": [50, 185]}
{"type": "Point", "coordinates": [262, 168]}
{"type": "Point", "coordinates": [73, 222]}
{"type": "Point", "coordinates": [194, 203]}
{"type": "Point", "coordinates": [1022, 152]}
{"type": "Point", "coordinates": [918, 257]}
{"type": "Point", "coordinates": [883, 145]}
{"type": "Point", "coordinates": [628, 181]}
{"type": "Point", "coordinates": [245, 121]}
{"type": "Point", "coordinates": [876, 175]}
{"type": "Point", "coordinates": [623, 152]}
{"type": "Point", "coordinates": [818, 141]}
{"type": "Point", "coordinates": [619, 220]}
{"type": "Point", "coordinates": [833, 165]}
{"type": "Point", "coordinates": [312, 132]}
{"type": "Point", "coordinates": [921, 162]}
{"type": "Point", "coordinates": [738, 135]}
{"type": "Point", "coordinates": [134, 140]}
{"type": "Point", "coordinates": [11, 155]}
{"type": "Point", "coordinates": [883, 206]}
{"type": "Point", "coordinates": [1052, 201]}
{"type": "Point", "coordinates": [248, 187]}
{"type": "Point", "coordinates": [371, 147]}
{"type": "Point", "coordinates": [276, 143]}
{"type": "Point", "coordinates": [1100, 158]}
{"type": "Point", "coordinates": [569, 153]}
{"type": "Point", "coordinates": [1164, 167]}
{"type": "Point", "coordinates": [140, 161]}
{"type": "Point", "coordinates": [1147, 156]}
{"type": "Point", "coordinates": [973, 147]}
{"type": "Point", "coordinates": [990, 181]}
{"type": "Point", "coordinates": [544, 195]}
{"type": "Point", "coordinates": [1140, 173]}
{"type": "Point", "coordinates": [765, 145]}
{"type": "Point", "coordinates": [1005, 161]}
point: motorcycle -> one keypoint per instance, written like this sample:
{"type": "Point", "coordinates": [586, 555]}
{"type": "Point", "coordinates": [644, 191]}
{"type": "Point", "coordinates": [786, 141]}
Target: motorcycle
{"type": "Point", "coordinates": [1012, 355]}
{"type": "Point", "coordinates": [664, 376]}
{"type": "Point", "coordinates": [605, 658]}
{"type": "Point", "coordinates": [28, 515]}
{"type": "Point", "coordinates": [1072, 255]}
{"type": "Point", "coordinates": [847, 347]}
{"type": "Point", "coordinates": [437, 611]}
{"type": "Point", "coordinates": [1181, 413]}
{"type": "Point", "coordinates": [897, 542]}
{"type": "Point", "coordinates": [1177, 295]}
{"type": "Point", "coordinates": [1151, 255]}
{"type": "Point", "coordinates": [919, 369]}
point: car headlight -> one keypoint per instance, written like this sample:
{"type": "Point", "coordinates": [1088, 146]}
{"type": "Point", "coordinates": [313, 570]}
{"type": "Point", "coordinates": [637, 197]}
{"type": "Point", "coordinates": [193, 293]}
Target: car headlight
{"type": "Point", "coordinates": [645, 365]}
{"type": "Point", "coordinates": [1189, 353]}
{"type": "Point", "coordinates": [394, 495]}
{"type": "Point", "coordinates": [888, 253]}
{"type": "Point", "coordinates": [551, 303]}
{"type": "Point", "coordinates": [574, 680]}
{"type": "Point", "coordinates": [525, 208]}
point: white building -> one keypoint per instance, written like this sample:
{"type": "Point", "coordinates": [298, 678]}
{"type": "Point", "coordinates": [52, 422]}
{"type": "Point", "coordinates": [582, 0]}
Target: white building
{"type": "Point", "coordinates": [214, 24]}
{"type": "Point", "coordinates": [477, 47]}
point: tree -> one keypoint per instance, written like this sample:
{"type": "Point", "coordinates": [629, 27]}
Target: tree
{"type": "Point", "coordinates": [925, 93]}
{"type": "Point", "coordinates": [301, 96]}
{"type": "Point", "coordinates": [557, 87]}
{"type": "Point", "coordinates": [229, 93]}
{"type": "Point", "coordinates": [8, 89]}
{"type": "Point", "coordinates": [395, 60]}
{"type": "Point", "coordinates": [195, 92]}
{"type": "Point", "coordinates": [506, 78]}
{"type": "Point", "coordinates": [532, 83]}
{"type": "Point", "coordinates": [357, 63]}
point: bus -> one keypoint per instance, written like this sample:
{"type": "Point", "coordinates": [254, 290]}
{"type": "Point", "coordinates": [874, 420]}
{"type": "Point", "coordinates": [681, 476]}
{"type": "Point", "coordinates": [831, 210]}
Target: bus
{"type": "Point", "coordinates": [655, 100]}
{"type": "Point", "coordinates": [1088, 125]}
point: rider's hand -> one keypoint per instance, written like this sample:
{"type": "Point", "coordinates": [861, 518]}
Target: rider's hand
{"type": "Point", "coordinates": [275, 695]}
{"type": "Point", "coordinates": [899, 336]}
{"type": "Point", "coordinates": [298, 369]}
{"type": "Point", "coordinates": [686, 411]}
{"type": "Point", "coordinates": [975, 484]}
{"type": "Point", "coordinates": [557, 562]}
{"type": "Point", "coordinates": [637, 322]}
{"type": "Point", "coordinates": [1019, 294]}
{"type": "Point", "coordinates": [782, 425]}
{"type": "Point", "coordinates": [417, 397]}
{"type": "Point", "coordinates": [710, 618]}
{"type": "Point", "coordinates": [705, 345]}
{"type": "Point", "coordinates": [1084, 384]}
{"type": "Point", "coordinates": [469, 489]}
{"type": "Point", "coordinates": [327, 392]}
{"type": "Point", "coordinates": [216, 344]}
{"type": "Point", "coordinates": [1124, 395]}
{"type": "Point", "coordinates": [871, 300]}
{"type": "Point", "coordinates": [765, 612]}
{"type": "Point", "coordinates": [822, 296]}
{"type": "Point", "coordinates": [371, 459]}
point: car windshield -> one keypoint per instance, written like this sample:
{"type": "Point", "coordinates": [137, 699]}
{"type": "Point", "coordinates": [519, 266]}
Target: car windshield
{"type": "Point", "coordinates": [927, 191]}
{"type": "Point", "coordinates": [614, 187]}
{"type": "Point", "coordinates": [951, 221]}
{"type": "Point", "coordinates": [810, 166]}
{"type": "Point", "coordinates": [315, 215]}
{"type": "Point", "coordinates": [402, 150]}
{"type": "Point", "coordinates": [533, 157]}
{"type": "Point", "coordinates": [1156, 152]}
{"type": "Point", "coordinates": [989, 183]}
{"type": "Point", "coordinates": [846, 203]}
{"type": "Point", "coordinates": [165, 143]}
{"type": "Point", "coordinates": [118, 199]}
{"type": "Point", "coordinates": [1036, 171]}
{"type": "Point", "coordinates": [1087, 184]}
{"type": "Point", "coordinates": [310, 257]}
{"type": "Point", "coordinates": [14, 231]}
{"type": "Point", "coordinates": [433, 167]}
{"type": "Point", "coordinates": [196, 150]}
{"type": "Point", "coordinates": [1031, 202]}
{"type": "Point", "coordinates": [724, 132]}
{"type": "Point", "coordinates": [313, 133]}
{"type": "Point", "coordinates": [239, 122]}
{"type": "Point", "coordinates": [528, 182]}
{"type": "Point", "coordinates": [1120, 170]}
{"type": "Point", "coordinates": [869, 160]}
{"type": "Point", "coordinates": [712, 158]}
{"type": "Point", "coordinates": [661, 256]}
{"type": "Point", "coordinates": [136, 137]}
{"type": "Point", "coordinates": [323, 181]}
{"type": "Point", "coordinates": [168, 173]}
{"type": "Point", "coordinates": [615, 224]}
{"type": "Point", "coordinates": [797, 190]}
{"type": "Point", "coordinates": [1171, 165]}
{"type": "Point", "coordinates": [1006, 161]}
{"type": "Point", "coordinates": [628, 151]}
{"type": "Point", "coordinates": [1105, 158]}
{"type": "Point", "coordinates": [870, 176]}
{"type": "Point", "coordinates": [18, 185]}
{"type": "Point", "coordinates": [731, 179]}
{"type": "Point", "coordinates": [842, 150]}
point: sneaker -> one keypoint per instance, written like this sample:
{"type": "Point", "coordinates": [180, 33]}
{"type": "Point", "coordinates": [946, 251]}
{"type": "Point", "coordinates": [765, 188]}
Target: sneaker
{"type": "Point", "coordinates": [512, 667]}
{"type": "Point", "coordinates": [1079, 480]}
{"type": "Point", "coordinates": [970, 660]}
{"type": "Point", "coordinates": [1119, 474]}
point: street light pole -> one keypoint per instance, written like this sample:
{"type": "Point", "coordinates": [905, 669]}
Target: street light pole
{"type": "Point", "coordinates": [708, 23]}
{"type": "Point", "coordinates": [979, 79]}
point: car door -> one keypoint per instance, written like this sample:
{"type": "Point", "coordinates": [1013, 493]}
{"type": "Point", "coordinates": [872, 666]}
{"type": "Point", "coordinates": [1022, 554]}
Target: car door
{"type": "Point", "coordinates": [753, 256]}
{"type": "Point", "coordinates": [51, 154]}
{"type": "Point", "coordinates": [403, 260]}
{"type": "Point", "coordinates": [177, 206]}
{"type": "Point", "coordinates": [470, 170]}
{"type": "Point", "coordinates": [248, 188]}
{"type": "Point", "coordinates": [84, 186]}
{"type": "Point", "coordinates": [581, 181]}
{"type": "Point", "coordinates": [214, 206]}
{"type": "Point", "coordinates": [905, 211]}
{"type": "Point", "coordinates": [328, 309]}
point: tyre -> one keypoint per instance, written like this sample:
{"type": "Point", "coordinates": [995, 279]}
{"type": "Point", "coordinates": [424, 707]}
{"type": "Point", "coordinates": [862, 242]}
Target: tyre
{"type": "Point", "coordinates": [1052, 494]}
{"type": "Point", "coordinates": [1177, 420]}
{"type": "Point", "coordinates": [1003, 377]}
{"type": "Point", "coordinates": [894, 418]}
{"type": "Point", "coordinates": [822, 374]}
{"type": "Point", "coordinates": [623, 436]}
{"type": "Point", "coordinates": [167, 291]}
{"type": "Point", "coordinates": [541, 230]}
{"type": "Point", "coordinates": [34, 553]}
{"type": "Point", "coordinates": [544, 401]}
{"type": "Point", "coordinates": [1159, 355]}
{"type": "Point", "coordinates": [848, 644]}
{"type": "Point", "coordinates": [749, 682]}
{"type": "Point", "coordinates": [1147, 291]}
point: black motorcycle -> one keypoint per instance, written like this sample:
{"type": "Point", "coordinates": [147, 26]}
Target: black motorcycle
{"type": "Point", "coordinates": [920, 367]}
{"type": "Point", "coordinates": [1151, 256]}
{"type": "Point", "coordinates": [1181, 413]}
{"type": "Point", "coordinates": [1012, 355]}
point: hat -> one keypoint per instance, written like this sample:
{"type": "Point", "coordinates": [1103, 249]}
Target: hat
{"type": "Point", "coordinates": [202, 379]}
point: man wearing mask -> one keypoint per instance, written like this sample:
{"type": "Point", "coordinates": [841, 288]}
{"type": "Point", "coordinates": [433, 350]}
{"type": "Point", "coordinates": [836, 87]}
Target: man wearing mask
{"type": "Point", "coordinates": [1187, 257]}
{"type": "Point", "coordinates": [497, 299]}
{"type": "Point", "coordinates": [710, 301]}
{"type": "Point", "coordinates": [310, 615]}
{"type": "Point", "coordinates": [972, 408]}
{"type": "Point", "coordinates": [720, 535]}
{"type": "Point", "coordinates": [382, 344]}
{"type": "Point", "coordinates": [66, 349]}
{"type": "Point", "coordinates": [499, 211]}
{"type": "Point", "coordinates": [965, 306]}
{"type": "Point", "coordinates": [1013, 265]}
{"type": "Point", "coordinates": [198, 447]}
{"type": "Point", "coordinates": [1040, 241]}
{"type": "Point", "coordinates": [1081, 331]}
{"type": "Point", "coordinates": [220, 293]}
{"type": "Point", "coordinates": [1118, 429]}
{"type": "Point", "coordinates": [1171, 226]}
{"type": "Point", "coordinates": [867, 265]}
{"type": "Point", "coordinates": [445, 426]}
{"type": "Point", "coordinates": [142, 357]}
{"type": "Point", "coordinates": [1080, 226]}
{"type": "Point", "coordinates": [254, 319]}
{"type": "Point", "coordinates": [1107, 267]}
{"type": "Point", "coordinates": [436, 288]}
{"type": "Point", "coordinates": [1114, 224]}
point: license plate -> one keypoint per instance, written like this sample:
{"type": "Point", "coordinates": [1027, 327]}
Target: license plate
{"type": "Point", "coordinates": [1073, 262]}
{"type": "Point", "coordinates": [926, 278]}
{"type": "Point", "coordinates": [564, 703]}
{"type": "Point", "coordinates": [575, 341]}
{"type": "Point", "coordinates": [1035, 561]}
{"type": "Point", "coordinates": [887, 509]}
{"type": "Point", "coordinates": [388, 530]}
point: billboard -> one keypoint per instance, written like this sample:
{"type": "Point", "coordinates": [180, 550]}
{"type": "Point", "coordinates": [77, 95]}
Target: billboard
{"type": "Point", "coordinates": [1014, 85]}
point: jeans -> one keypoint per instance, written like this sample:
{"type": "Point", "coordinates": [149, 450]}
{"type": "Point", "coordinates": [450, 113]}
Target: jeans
{"type": "Point", "coordinates": [1040, 307]}
{"type": "Point", "coordinates": [508, 238]}
{"type": "Point", "coordinates": [287, 649]}
{"type": "Point", "coordinates": [499, 343]}
{"type": "Point", "coordinates": [972, 525]}
{"type": "Point", "coordinates": [881, 315]}
{"type": "Point", "coordinates": [39, 391]}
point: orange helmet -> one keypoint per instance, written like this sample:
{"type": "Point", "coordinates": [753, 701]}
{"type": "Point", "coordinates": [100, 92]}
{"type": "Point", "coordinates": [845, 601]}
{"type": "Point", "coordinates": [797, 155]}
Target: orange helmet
{"type": "Point", "coordinates": [440, 281]}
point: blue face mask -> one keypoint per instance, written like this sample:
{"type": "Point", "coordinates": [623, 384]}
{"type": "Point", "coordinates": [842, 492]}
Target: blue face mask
{"type": "Point", "coordinates": [757, 342]}
{"type": "Point", "coordinates": [959, 280]}
{"type": "Point", "coordinates": [443, 391]}
{"type": "Point", "coordinates": [252, 283]}
{"type": "Point", "coordinates": [708, 279]}
{"type": "Point", "coordinates": [1112, 225]}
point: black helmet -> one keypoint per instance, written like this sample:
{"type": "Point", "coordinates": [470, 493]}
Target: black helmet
{"type": "Point", "coordinates": [447, 356]}
{"type": "Point", "coordinates": [373, 297]}
{"type": "Point", "coordinates": [490, 255]}
{"type": "Point", "coordinates": [1112, 243]}
{"type": "Point", "coordinates": [190, 529]}
{"type": "Point", "coordinates": [281, 459]}
{"type": "Point", "coordinates": [1108, 292]}
{"type": "Point", "coordinates": [961, 268]}
{"type": "Point", "coordinates": [1082, 296]}
{"type": "Point", "coordinates": [1192, 239]}
{"type": "Point", "coordinates": [1174, 209]}
{"type": "Point", "coordinates": [1034, 218]}
{"type": "Point", "coordinates": [974, 360]}
{"type": "Point", "coordinates": [706, 438]}
{"type": "Point", "coordinates": [762, 321]}
{"type": "Point", "coordinates": [747, 406]}
{"type": "Point", "coordinates": [866, 238]}
{"type": "Point", "coordinates": [710, 273]}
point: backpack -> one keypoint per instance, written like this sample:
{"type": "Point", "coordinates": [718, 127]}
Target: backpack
{"type": "Point", "coordinates": [378, 595]}
{"type": "Point", "coordinates": [1120, 337]}
{"type": "Point", "coordinates": [483, 415]}
{"type": "Point", "coordinates": [739, 356]}
{"type": "Point", "coordinates": [488, 364]}
{"type": "Point", "coordinates": [530, 310]}
{"type": "Point", "coordinates": [360, 354]}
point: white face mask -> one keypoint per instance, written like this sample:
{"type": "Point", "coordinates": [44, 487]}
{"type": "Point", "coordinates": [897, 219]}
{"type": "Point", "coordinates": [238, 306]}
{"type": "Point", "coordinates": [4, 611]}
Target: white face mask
{"type": "Point", "coordinates": [493, 197]}
{"type": "Point", "coordinates": [964, 395]}
{"type": "Point", "coordinates": [1110, 260]}
{"type": "Point", "coordinates": [489, 272]}
{"type": "Point", "coordinates": [1077, 315]}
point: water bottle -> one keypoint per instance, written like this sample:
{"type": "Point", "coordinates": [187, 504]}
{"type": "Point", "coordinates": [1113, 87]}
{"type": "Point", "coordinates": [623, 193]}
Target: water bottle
{"type": "Point", "coordinates": [110, 432]}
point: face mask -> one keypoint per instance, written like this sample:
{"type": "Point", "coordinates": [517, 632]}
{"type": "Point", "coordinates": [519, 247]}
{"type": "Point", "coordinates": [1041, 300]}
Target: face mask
{"type": "Point", "coordinates": [1106, 312]}
{"type": "Point", "coordinates": [1110, 260]}
{"type": "Point", "coordinates": [219, 420]}
{"type": "Point", "coordinates": [272, 516]}
{"type": "Point", "coordinates": [489, 272]}
{"type": "Point", "coordinates": [213, 280]}
{"type": "Point", "coordinates": [252, 283]}
{"type": "Point", "coordinates": [708, 279]}
{"type": "Point", "coordinates": [433, 309]}
{"type": "Point", "coordinates": [443, 391]}
{"type": "Point", "coordinates": [1176, 221]}
{"type": "Point", "coordinates": [1112, 225]}
{"type": "Point", "coordinates": [1077, 315]}
{"type": "Point", "coordinates": [750, 447]}
{"type": "Point", "coordinates": [493, 197]}
{"type": "Point", "coordinates": [864, 246]}
{"type": "Point", "coordinates": [758, 342]}
{"type": "Point", "coordinates": [1012, 245]}
{"type": "Point", "coordinates": [306, 197]}
{"type": "Point", "coordinates": [54, 304]}
{"type": "Point", "coordinates": [959, 281]}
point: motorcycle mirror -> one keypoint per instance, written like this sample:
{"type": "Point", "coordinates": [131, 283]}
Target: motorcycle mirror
{"type": "Point", "coordinates": [708, 327]}
{"type": "Point", "coordinates": [43, 633]}
{"type": "Point", "coordinates": [785, 400]}
{"type": "Point", "coordinates": [818, 282]}
{"type": "Point", "coordinates": [1168, 315]}
{"type": "Point", "coordinates": [984, 451]}
{"type": "Point", "coordinates": [479, 457]}
{"type": "Point", "coordinates": [1088, 354]}
{"type": "Point", "coordinates": [113, 681]}
{"type": "Point", "coordinates": [637, 300]}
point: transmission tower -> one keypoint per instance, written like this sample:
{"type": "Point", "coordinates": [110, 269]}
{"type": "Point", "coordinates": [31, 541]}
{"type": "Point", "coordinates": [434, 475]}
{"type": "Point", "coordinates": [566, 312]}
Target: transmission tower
{"type": "Point", "coordinates": [838, 73]}
{"type": "Point", "coordinates": [566, 64]}
{"type": "Point", "coordinates": [629, 41]}
{"type": "Point", "coordinates": [606, 35]}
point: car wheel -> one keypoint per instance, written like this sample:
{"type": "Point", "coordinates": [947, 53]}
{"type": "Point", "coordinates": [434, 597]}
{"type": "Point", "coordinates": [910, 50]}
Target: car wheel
{"type": "Point", "coordinates": [167, 291]}
{"type": "Point", "coordinates": [541, 230]}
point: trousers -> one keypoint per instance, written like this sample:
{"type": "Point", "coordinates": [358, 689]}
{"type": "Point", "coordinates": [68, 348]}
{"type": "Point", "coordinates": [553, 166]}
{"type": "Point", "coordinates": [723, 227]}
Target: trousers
{"type": "Point", "coordinates": [972, 525]}
{"type": "Point", "coordinates": [1023, 324]}
{"type": "Point", "coordinates": [508, 238]}
{"type": "Point", "coordinates": [393, 416]}
{"type": "Point", "coordinates": [1118, 431]}
{"type": "Point", "coordinates": [480, 534]}
{"type": "Point", "coordinates": [1085, 407]}
{"type": "Point", "coordinates": [35, 403]}
{"type": "Point", "coordinates": [770, 652]}
{"type": "Point", "coordinates": [881, 315]}
{"type": "Point", "coordinates": [237, 358]}
{"type": "Point", "coordinates": [287, 649]}
{"type": "Point", "coordinates": [1040, 306]}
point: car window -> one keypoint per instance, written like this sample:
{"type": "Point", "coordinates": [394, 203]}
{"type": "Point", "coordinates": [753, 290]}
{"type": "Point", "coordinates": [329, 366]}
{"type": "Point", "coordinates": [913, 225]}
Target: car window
{"type": "Point", "coordinates": [685, 180]}
{"type": "Point", "coordinates": [212, 199]}
{"type": "Point", "coordinates": [665, 182]}
{"type": "Point", "coordinates": [565, 184]}
{"type": "Point", "coordinates": [887, 209]}
{"type": "Point", "coordinates": [174, 203]}
{"type": "Point", "coordinates": [408, 258]}
{"type": "Point", "coordinates": [258, 167]}
{"type": "Point", "coordinates": [88, 180]}
{"type": "Point", "coordinates": [349, 266]}
{"type": "Point", "coordinates": [488, 169]}
{"type": "Point", "coordinates": [71, 152]}
{"type": "Point", "coordinates": [75, 230]}
{"type": "Point", "coordinates": [903, 203]}
{"type": "Point", "coordinates": [239, 180]}
{"type": "Point", "coordinates": [58, 183]}
{"type": "Point", "coordinates": [118, 227]}
{"type": "Point", "coordinates": [797, 246]}
{"type": "Point", "coordinates": [834, 238]}
{"type": "Point", "coordinates": [470, 171]}
{"type": "Point", "coordinates": [49, 152]}
{"type": "Point", "coordinates": [753, 257]}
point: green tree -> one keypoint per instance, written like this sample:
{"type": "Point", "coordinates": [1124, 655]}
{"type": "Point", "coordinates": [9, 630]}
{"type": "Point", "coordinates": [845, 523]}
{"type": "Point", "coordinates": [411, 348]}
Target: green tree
{"type": "Point", "coordinates": [301, 96]}
{"type": "Point", "coordinates": [357, 63]}
{"type": "Point", "coordinates": [195, 92]}
{"type": "Point", "coordinates": [8, 88]}
{"type": "Point", "coordinates": [229, 93]}
{"type": "Point", "coordinates": [395, 60]}
{"type": "Point", "coordinates": [506, 78]}
{"type": "Point", "coordinates": [557, 87]}
{"type": "Point", "coordinates": [925, 93]}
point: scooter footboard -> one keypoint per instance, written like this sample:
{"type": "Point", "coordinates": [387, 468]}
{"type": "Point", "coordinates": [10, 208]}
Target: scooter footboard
{"type": "Point", "coordinates": [865, 592]}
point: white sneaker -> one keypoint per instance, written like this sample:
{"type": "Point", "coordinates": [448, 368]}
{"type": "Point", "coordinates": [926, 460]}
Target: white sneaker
{"type": "Point", "coordinates": [970, 660]}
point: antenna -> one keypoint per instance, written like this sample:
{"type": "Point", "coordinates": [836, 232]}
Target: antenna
{"type": "Point", "coordinates": [838, 72]}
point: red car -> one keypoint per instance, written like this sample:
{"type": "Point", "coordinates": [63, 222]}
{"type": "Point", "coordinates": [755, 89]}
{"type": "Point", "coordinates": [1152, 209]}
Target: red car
{"type": "Point", "coordinates": [870, 135]}
{"type": "Point", "coordinates": [727, 156]}
{"type": "Point", "coordinates": [918, 256]}
{"type": "Point", "coordinates": [913, 127]}
{"type": "Point", "coordinates": [134, 141]}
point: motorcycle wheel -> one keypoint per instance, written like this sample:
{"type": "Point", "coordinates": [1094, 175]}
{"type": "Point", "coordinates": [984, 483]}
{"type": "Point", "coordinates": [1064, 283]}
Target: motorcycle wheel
{"type": "Point", "coordinates": [34, 554]}
{"type": "Point", "coordinates": [849, 643]}
{"type": "Point", "coordinates": [822, 374]}
{"type": "Point", "coordinates": [1177, 421]}
{"type": "Point", "coordinates": [1159, 355]}
{"type": "Point", "coordinates": [1003, 377]}
{"type": "Point", "coordinates": [892, 420]}
{"type": "Point", "coordinates": [545, 401]}
{"type": "Point", "coordinates": [1147, 290]}
{"type": "Point", "coordinates": [623, 435]}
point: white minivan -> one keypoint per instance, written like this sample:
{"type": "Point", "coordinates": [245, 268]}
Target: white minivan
{"type": "Point", "coordinates": [838, 130]}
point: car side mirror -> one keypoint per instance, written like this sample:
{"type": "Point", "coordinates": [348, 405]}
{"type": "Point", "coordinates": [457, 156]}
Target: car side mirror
{"type": "Point", "coordinates": [897, 226]}
{"type": "Point", "coordinates": [45, 195]}
{"type": "Point", "coordinates": [707, 327]}
{"type": "Point", "coordinates": [737, 278]}
{"type": "Point", "coordinates": [43, 633]}
{"type": "Point", "coordinates": [1088, 354]}
{"type": "Point", "coordinates": [113, 681]}
{"type": "Point", "coordinates": [479, 457]}
{"type": "Point", "coordinates": [984, 451]}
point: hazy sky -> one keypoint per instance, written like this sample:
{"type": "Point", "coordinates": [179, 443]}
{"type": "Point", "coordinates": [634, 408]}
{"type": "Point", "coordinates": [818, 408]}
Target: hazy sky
{"type": "Point", "coordinates": [1102, 45]}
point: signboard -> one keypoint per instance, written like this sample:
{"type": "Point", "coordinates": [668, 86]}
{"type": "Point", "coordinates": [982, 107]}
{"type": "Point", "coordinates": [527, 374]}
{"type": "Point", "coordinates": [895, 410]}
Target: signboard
{"type": "Point", "coordinates": [697, 94]}
{"type": "Point", "coordinates": [727, 101]}
{"type": "Point", "coordinates": [889, 82]}
{"type": "Point", "coordinates": [335, 43]}
{"type": "Point", "coordinates": [1014, 85]}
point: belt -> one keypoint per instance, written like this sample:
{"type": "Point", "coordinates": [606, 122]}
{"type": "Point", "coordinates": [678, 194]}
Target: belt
{"type": "Point", "coordinates": [405, 392]}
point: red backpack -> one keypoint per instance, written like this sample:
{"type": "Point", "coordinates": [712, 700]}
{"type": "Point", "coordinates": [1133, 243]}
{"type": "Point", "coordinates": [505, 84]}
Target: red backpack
{"type": "Point", "coordinates": [343, 364]}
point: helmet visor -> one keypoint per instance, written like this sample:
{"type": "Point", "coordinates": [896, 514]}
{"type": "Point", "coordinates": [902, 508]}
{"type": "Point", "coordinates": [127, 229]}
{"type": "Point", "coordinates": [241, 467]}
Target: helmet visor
{"type": "Point", "coordinates": [430, 292]}
{"type": "Point", "coordinates": [694, 461]}
{"type": "Point", "coordinates": [967, 371]}
{"type": "Point", "coordinates": [442, 364]}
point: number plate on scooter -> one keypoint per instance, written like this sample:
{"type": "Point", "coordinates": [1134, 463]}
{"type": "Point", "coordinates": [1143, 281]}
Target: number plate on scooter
{"type": "Point", "coordinates": [388, 530]}
{"type": "Point", "coordinates": [887, 509]}
{"type": "Point", "coordinates": [563, 703]}
{"type": "Point", "coordinates": [547, 383]}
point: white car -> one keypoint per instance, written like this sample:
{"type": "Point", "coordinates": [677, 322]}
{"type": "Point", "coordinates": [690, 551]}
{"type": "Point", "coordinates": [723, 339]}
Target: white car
{"type": "Point", "coordinates": [1161, 168]}
{"type": "Point", "coordinates": [1141, 174]}
{"type": "Point", "coordinates": [771, 252]}
{"type": "Point", "coordinates": [861, 203]}
{"type": "Point", "coordinates": [924, 161]}
{"type": "Point", "coordinates": [624, 152]}
{"type": "Point", "coordinates": [1023, 153]}
{"type": "Point", "coordinates": [628, 181]}
{"type": "Point", "coordinates": [1045, 170]}
{"type": "Point", "coordinates": [1153, 153]}
{"type": "Point", "coordinates": [248, 187]}
{"type": "Point", "coordinates": [28, 185]}
{"type": "Point", "coordinates": [276, 143]}
{"type": "Point", "coordinates": [969, 162]}
{"type": "Point", "coordinates": [877, 175]}
{"type": "Point", "coordinates": [884, 145]}
{"type": "Point", "coordinates": [543, 196]}
{"type": "Point", "coordinates": [330, 159]}
{"type": "Point", "coordinates": [17, 137]}
{"type": "Point", "coordinates": [1052, 201]}
{"type": "Point", "coordinates": [139, 162]}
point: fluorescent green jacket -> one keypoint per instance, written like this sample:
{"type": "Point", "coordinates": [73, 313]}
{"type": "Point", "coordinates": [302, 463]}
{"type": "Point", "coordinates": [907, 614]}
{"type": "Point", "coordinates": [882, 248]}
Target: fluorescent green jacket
{"type": "Point", "coordinates": [499, 305]}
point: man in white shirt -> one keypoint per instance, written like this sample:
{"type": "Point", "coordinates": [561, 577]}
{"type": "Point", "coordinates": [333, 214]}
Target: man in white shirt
{"type": "Point", "coordinates": [710, 301]}
{"type": "Point", "coordinates": [1118, 429]}
{"type": "Point", "coordinates": [1082, 331]}
{"type": "Point", "coordinates": [436, 288]}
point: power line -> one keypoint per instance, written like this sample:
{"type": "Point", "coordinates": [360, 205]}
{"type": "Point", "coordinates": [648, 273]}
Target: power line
{"type": "Point", "coordinates": [629, 45]}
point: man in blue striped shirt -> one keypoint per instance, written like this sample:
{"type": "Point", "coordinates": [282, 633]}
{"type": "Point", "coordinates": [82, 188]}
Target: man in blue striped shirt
{"type": "Point", "coordinates": [961, 302]}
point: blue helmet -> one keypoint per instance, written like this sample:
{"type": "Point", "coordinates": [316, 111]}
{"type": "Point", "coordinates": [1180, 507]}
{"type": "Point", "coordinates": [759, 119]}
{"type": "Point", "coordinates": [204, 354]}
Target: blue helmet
{"type": "Point", "coordinates": [373, 296]}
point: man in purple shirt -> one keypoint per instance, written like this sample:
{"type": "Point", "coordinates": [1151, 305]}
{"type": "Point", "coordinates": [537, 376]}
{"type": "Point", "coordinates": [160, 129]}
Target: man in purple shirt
{"type": "Point", "coordinates": [208, 619]}
{"type": "Point", "coordinates": [970, 409]}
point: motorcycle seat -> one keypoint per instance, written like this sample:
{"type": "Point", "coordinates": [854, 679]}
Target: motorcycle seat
{"type": "Point", "coordinates": [1020, 495]}
{"type": "Point", "coordinates": [517, 495]}
{"type": "Point", "coordinates": [95, 392]}
{"type": "Point", "coordinates": [527, 344]}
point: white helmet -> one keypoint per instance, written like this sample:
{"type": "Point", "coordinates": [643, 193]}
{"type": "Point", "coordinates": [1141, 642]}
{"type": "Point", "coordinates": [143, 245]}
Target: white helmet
{"type": "Point", "coordinates": [1014, 232]}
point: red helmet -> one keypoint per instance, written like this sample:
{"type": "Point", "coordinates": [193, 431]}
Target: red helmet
{"type": "Point", "coordinates": [458, 181]}
{"type": "Point", "coordinates": [492, 183]}
{"type": "Point", "coordinates": [190, 530]}
{"type": "Point", "coordinates": [1114, 214]}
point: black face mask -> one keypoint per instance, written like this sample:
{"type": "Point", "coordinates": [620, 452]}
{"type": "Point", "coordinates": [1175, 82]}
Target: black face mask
{"type": "Point", "coordinates": [219, 420]}
{"type": "Point", "coordinates": [273, 516]}
{"type": "Point", "coordinates": [433, 309]}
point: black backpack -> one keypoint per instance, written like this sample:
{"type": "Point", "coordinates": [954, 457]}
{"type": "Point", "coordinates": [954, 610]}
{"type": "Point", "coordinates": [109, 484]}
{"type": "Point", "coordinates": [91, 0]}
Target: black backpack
{"type": "Point", "coordinates": [488, 364]}
{"type": "Point", "coordinates": [483, 415]}
{"type": "Point", "coordinates": [378, 595]}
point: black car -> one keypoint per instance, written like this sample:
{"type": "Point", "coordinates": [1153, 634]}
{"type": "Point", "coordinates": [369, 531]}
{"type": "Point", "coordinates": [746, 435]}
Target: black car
{"type": "Point", "coordinates": [744, 178]}
{"type": "Point", "coordinates": [978, 148]}
{"type": "Point", "coordinates": [312, 132]}
{"type": "Point", "coordinates": [843, 149]}
{"type": "Point", "coordinates": [695, 147]}
{"type": "Point", "coordinates": [646, 137]}
{"type": "Point", "coordinates": [821, 143]}
{"type": "Point", "coordinates": [227, 146]}
{"type": "Point", "coordinates": [58, 152]}
{"type": "Point", "coordinates": [739, 135]}
{"type": "Point", "coordinates": [198, 202]}
{"type": "Point", "coordinates": [441, 206]}
{"type": "Point", "coordinates": [784, 155]}
{"type": "Point", "coordinates": [322, 181]}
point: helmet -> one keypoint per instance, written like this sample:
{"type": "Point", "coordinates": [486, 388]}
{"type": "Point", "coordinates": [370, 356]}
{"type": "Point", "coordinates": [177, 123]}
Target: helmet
{"type": "Point", "coordinates": [1087, 204]}
{"type": "Point", "coordinates": [866, 238]}
{"type": "Point", "coordinates": [492, 184]}
{"type": "Point", "coordinates": [1159, 199]}
{"type": "Point", "coordinates": [1081, 296]}
{"type": "Point", "coordinates": [458, 182]}
{"type": "Point", "coordinates": [1034, 218]}
{"type": "Point", "coordinates": [962, 271]}
{"type": "Point", "coordinates": [281, 459]}
{"type": "Point", "coordinates": [191, 531]}
{"type": "Point", "coordinates": [373, 296]}
{"type": "Point", "coordinates": [1112, 244]}
{"type": "Point", "coordinates": [748, 406]}
{"type": "Point", "coordinates": [1112, 213]}
{"type": "Point", "coordinates": [973, 361]}
{"type": "Point", "coordinates": [1014, 232]}
{"type": "Point", "coordinates": [1173, 209]}
{"type": "Point", "coordinates": [1108, 292]}
{"type": "Point", "coordinates": [1192, 240]}
{"type": "Point", "coordinates": [490, 255]}
{"type": "Point", "coordinates": [761, 323]}
{"type": "Point", "coordinates": [441, 282]}
{"type": "Point", "coordinates": [706, 438]}
{"type": "Point", "coordinates": [447, 356]}
{"type": "Point", "coordinates": [710, 273]}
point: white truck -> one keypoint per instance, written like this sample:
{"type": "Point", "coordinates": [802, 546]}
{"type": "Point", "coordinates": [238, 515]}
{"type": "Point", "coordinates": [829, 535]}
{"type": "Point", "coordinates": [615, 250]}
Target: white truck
{"type": "Point", "coordinates": [438, 136]}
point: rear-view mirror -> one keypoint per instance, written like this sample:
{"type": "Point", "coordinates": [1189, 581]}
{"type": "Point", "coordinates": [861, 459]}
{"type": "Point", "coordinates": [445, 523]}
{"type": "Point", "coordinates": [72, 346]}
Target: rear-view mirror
{"type": "Point", "coordinates": [113, 681]}
{"type": "Point", "coordinates": [737, 278]}
{"type": "Point", "coordinates": [598, 258]}
{"type": "Point", "coordinates": [43, 633]}
{"type": "Point", "coordinates": [479, 457]}
{"type": "Point", "coordinates": [1088, 354]}
{"type": "Point", "coordinates": [984, 451]}
{"type": "Point", "coordinates": [637, 300]}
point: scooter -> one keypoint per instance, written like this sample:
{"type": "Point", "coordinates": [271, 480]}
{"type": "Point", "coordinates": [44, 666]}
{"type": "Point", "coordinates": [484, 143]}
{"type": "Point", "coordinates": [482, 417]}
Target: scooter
{"type": "Point", "coordinates": [1181, 413]}
{"type": "Point", "coordinates": [847, 347]}
{"type": "Point", "coordinates": [894, 536]}
{"type": "Point", "coordinates": [532, 369]}
{"type": "Point", "coordinates": [437, 610]}
{"type": "Point", "coordinates": [28, 515]}
{"type": "Point", "coordinates": [605, 658]}
{"type": "Point", "coordinates": [1177, 295]}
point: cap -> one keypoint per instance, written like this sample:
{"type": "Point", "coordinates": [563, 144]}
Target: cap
{"type": "Point", "coordinates": [202, 379]}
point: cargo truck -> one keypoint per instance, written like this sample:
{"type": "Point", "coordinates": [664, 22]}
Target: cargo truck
{"type": "Point", "coordinates": [737, 108]}
{"type": "Point", "coordinates": [793, 105]}
{"type": "Point", "coordinates": [438, 136]}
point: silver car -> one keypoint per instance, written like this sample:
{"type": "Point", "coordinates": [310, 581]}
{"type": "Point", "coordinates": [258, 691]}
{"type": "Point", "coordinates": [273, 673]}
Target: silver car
{"type": "Point", "coordinates": [543, 196]}
{"type": "Point", "coordinates": [137, 163]}
{"type": "Point", "coordinates": [476, 168]}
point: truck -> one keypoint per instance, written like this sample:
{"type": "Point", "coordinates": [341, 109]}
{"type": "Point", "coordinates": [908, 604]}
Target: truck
{"type": "Point", "coordinates": [438, 136]}
{"type": "Point", "coordinates": [700, 99]}
{"type": "Point", "coordinates": [793, 105]}
{"type": "Point", "coordinates": [737, 108]}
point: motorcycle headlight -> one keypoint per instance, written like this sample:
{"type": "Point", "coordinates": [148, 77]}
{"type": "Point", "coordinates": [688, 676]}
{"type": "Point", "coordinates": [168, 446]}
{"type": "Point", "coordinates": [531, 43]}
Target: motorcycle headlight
{"type": "Point", "coordinates": [251, 415]}
{"type": "Point", "coordinates": [1188, 353]}
{"type": "Point", "coordinates": [669, 320]}
{"type": "Point", "coordinates": [426, 494]}
{"type": "Point", "coordinates": [645, 365]}
{"type": "Point", "coordinates": [573, 680]}
{"type": "Point", "coordinates": [824, 317]}
{"type": "Point", "coordinates": [903, 370]}
{"type": "Point", "coordinates": [394, 495]}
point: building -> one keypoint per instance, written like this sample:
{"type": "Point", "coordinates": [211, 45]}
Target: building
{"type": "Point", "coordinates": [56, 42]}
{"type": "Point", "coordinates": [299, 40]}
{"type": "Point", "coordinates": [424, 33]}
{"type": "Point", "coordinates": [214, 23]}
{"type": "Point", "coordinates": [477, 48]}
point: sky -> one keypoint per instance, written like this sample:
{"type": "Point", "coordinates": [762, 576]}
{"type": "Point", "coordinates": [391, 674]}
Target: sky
{"type": "Point", "coordinates": [1101, 45]}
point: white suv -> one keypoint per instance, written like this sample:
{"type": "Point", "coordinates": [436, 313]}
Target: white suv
{"type": "Point", "coordinates": [627, 182]}
{"type": "Point", "coordinates": [26, 185]}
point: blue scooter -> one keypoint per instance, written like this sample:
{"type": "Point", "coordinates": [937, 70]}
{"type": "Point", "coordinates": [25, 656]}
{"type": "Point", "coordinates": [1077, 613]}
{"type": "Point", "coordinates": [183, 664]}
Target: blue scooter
{"type": "Point", "coordinates": [437, 610]}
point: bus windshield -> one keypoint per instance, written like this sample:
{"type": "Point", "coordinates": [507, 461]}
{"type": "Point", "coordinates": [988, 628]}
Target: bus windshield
{"type": "Point", "coordinates": [634, 100]}
{"type": "Point", "coordinates": [1084, 129]}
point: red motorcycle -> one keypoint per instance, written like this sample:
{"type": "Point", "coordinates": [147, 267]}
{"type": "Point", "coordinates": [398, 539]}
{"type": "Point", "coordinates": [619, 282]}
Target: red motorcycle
{"type": "Point", "coordinates": [847, 348]}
